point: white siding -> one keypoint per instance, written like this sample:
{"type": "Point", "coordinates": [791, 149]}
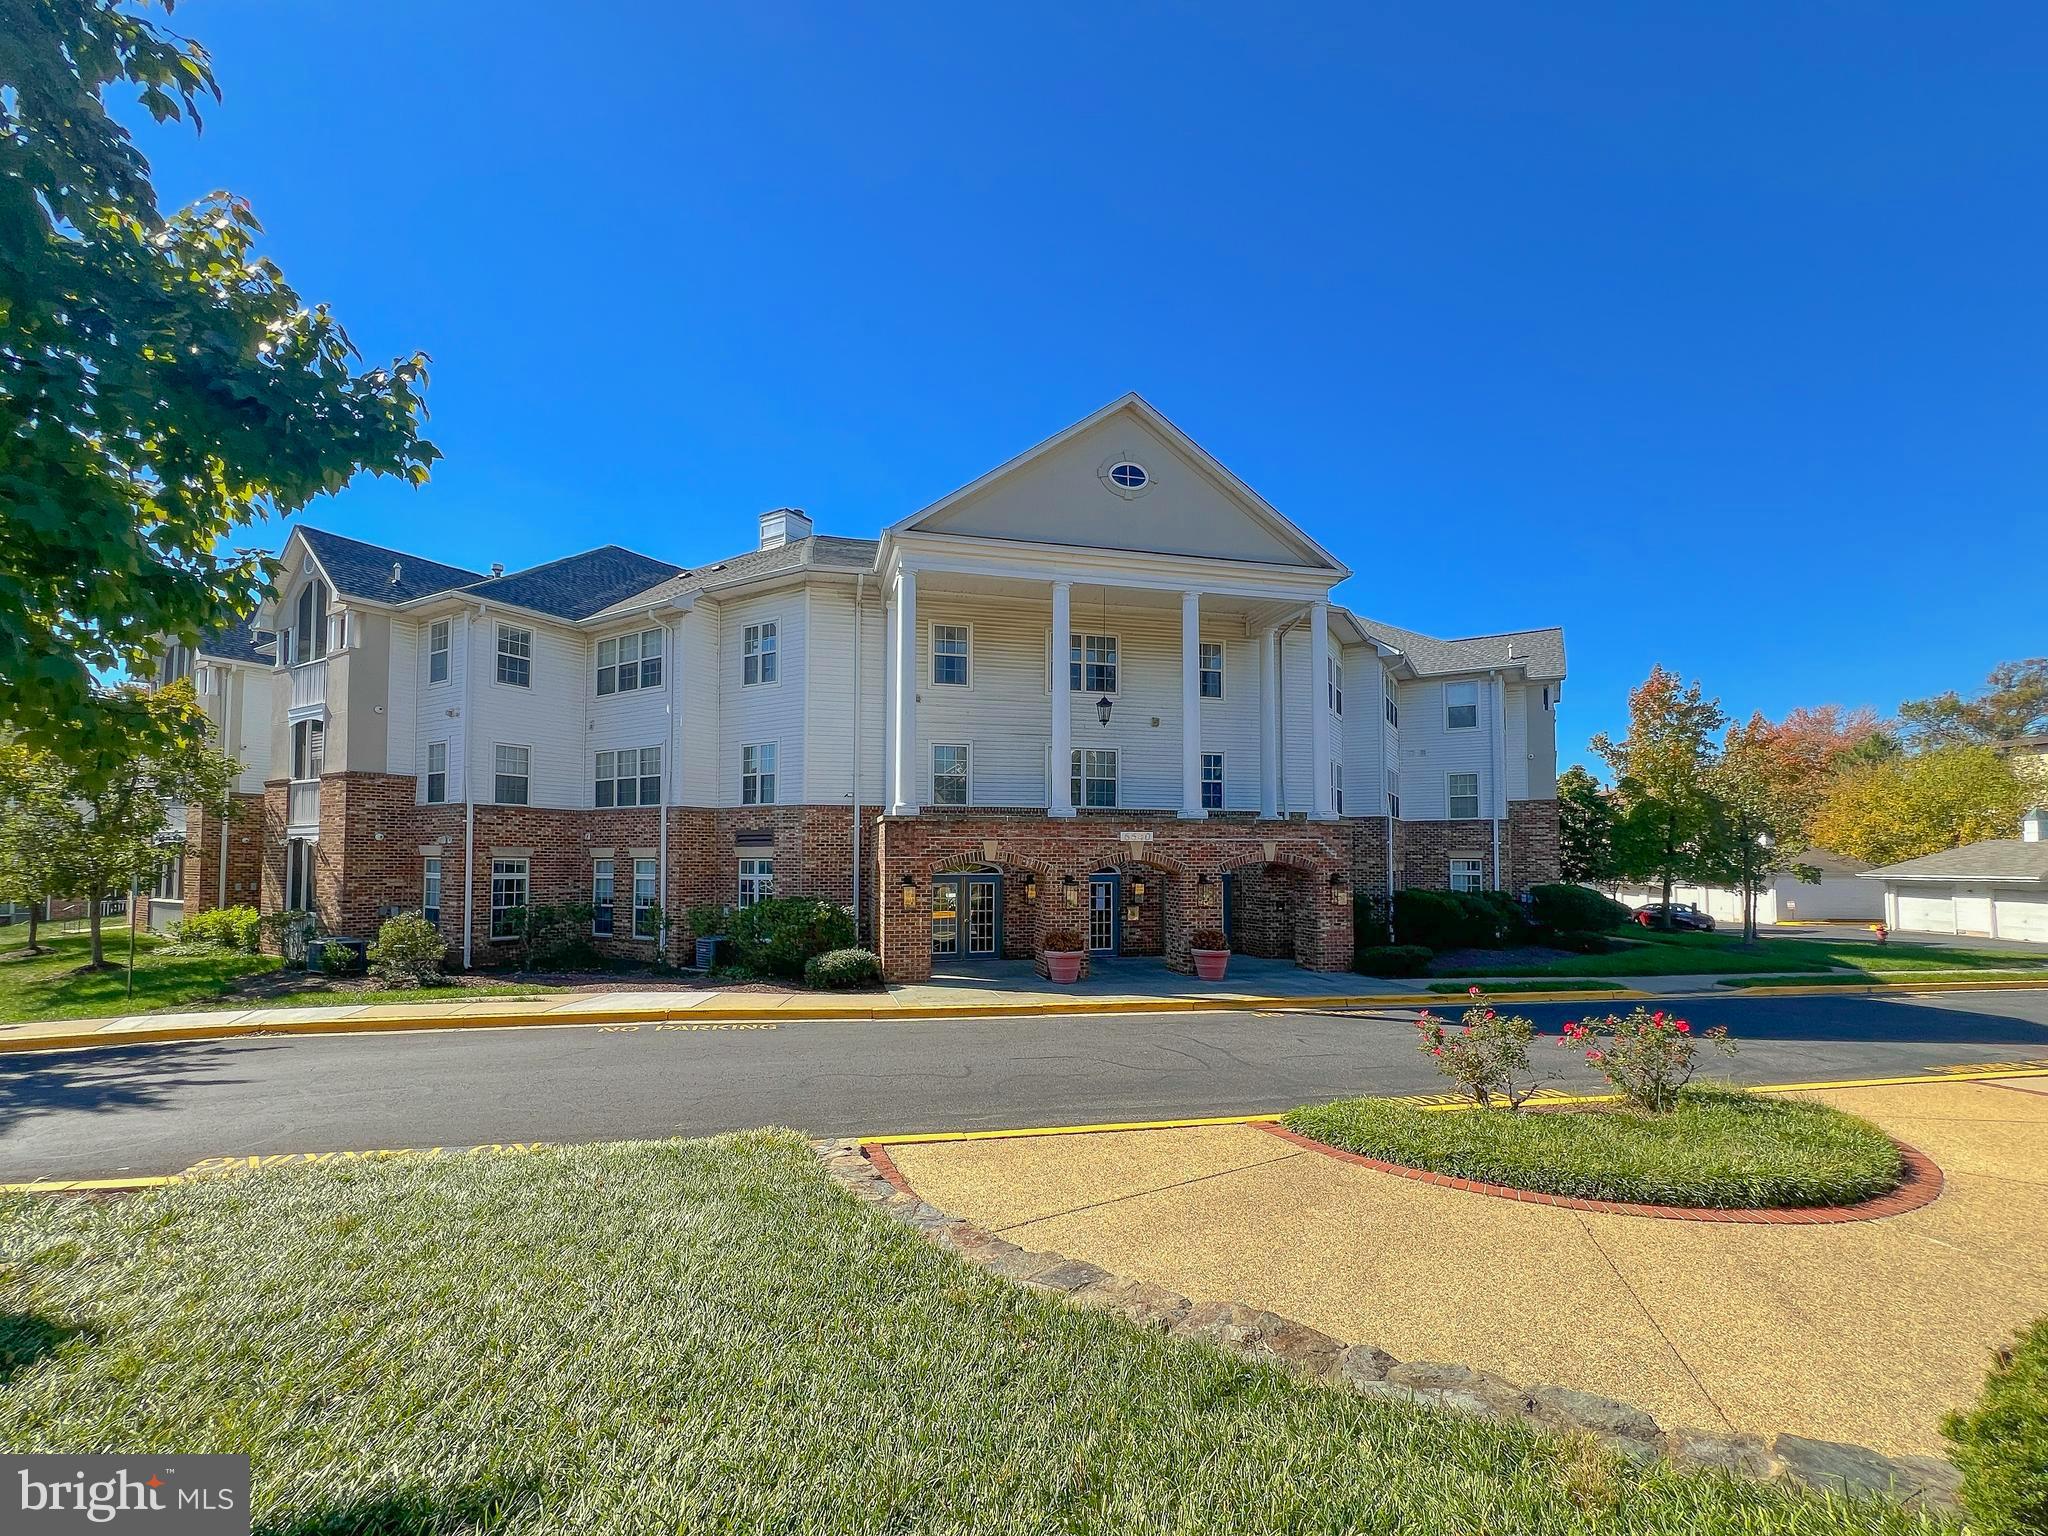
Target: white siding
{"type": "Point", "coordinates": [549, 717]}
{"type": "Point", "coordinates": [764, 712]}
{"type": "Point", "coordinates": [833, 670]}
{"type": "Point", "coordinates": [1430, 751]}
{"type": "Point", "coordinates": [697, 683]}
{"type": "Point", "coordinates": [1515, 749]}
{"type": "Point", "coordinates": [402, 709]}
{"type": "Point", "coordinates": [438, 711]}
{"type": "Point", "coordinates": [1230, 725]}
{"type": "Point", "coordinates": [631, 720]}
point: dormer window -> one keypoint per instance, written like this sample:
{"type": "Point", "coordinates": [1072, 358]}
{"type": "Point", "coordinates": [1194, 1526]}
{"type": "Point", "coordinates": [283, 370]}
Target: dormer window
{"type": "Point", "coordinates": [309, 627]}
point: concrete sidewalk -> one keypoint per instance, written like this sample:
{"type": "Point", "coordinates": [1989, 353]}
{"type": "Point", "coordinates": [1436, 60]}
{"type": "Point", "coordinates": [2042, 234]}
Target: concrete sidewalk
{"type": "Point", "coordinates": [1864, 1332]}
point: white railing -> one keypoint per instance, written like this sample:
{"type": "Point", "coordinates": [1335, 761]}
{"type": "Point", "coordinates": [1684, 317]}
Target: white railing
{"type": "Point", "coordinates": [309, 684]}
{"type": "Point", "coordinates": [302, 808]}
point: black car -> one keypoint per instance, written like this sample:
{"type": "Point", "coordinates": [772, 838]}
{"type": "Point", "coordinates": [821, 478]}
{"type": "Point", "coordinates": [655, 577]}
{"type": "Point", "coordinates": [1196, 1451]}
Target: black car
{"type": "Point", "coordinates": [1683, 915]}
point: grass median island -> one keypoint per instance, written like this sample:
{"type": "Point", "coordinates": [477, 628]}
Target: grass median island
{"type": "Point", "coordinates": [1506, 988]}
{"type": "Point", "coordinates": [1650, 952]}
{"type": "Point", "coordinates": [707, 1336]}
{"type": "Point", "coordinates": [1720, 1149]}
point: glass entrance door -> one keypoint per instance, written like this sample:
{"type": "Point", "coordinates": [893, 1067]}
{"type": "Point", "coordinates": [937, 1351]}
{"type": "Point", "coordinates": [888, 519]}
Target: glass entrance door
{"type": "Point", "coordinates": [945, 918]}
{"type": "Point", "coordinates": [981, 917]}
{"type": "Point", "coordinates": [1102, 914]}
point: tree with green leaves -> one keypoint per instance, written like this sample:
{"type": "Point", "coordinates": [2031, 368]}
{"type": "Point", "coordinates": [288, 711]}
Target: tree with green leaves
{"type": "Point", "coordinates": [1585, 829]}
{"type": "Point", "coordinates": [1663, 781]}
{"type": "Point", "coordinates": [161, 384]}
{"type": "Point", "coordinates": [1758, 785]}
{"type": "Point", "coordinates": [125, 798]}
{"type": "Point", "coordinates": [1909, 806]}
{"type": "Point", "coordinates": [38, 829]}
{"type": "Point", "coordinates": [2012, 704]}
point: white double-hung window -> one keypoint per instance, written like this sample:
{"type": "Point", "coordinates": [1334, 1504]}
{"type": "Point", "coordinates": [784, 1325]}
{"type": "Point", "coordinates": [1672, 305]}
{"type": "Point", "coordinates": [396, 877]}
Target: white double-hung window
{"type": "Point", "coordinates": [629, 662]}
{"type": "Point", "coordinates": [952, 647]}
{"type": "Point", "coordinates": [512, 781]}
{"type": "Point", "coordinates": [515, 656]}
{"type": "Point", "coordinates": [1093, 775]}
{"type": "Point", "coordinates": [757, 880]}
{"type": "Point", "coordinates": [1462, 794]}
{"type": "Point", "coordinates": [437, 651]}
{"type": "Point", "coordinates": [759, 658]}
{"type": "Point", "coordinates": [949, 775]}
{"type": "Point", "coordinates": [1468, 874]}
{"type": "Point", "coordinates": [628, 776]}
{"type": "Point", "coordinates": [601, 897]}
{"type": "Point", "coordinates": [1461, 706]}
{"type": "Point", "coordinates": [757, 774]}
{"type": "Point", "coordinates": [1091, 663]}
{"type": "Point", "coordinates": [646, 908]}
{"type": "Point", "coordinates": [437, 772]}
{"type": "Point", "coordinates": [508, 897]}
{"type": "Point", "coordinates": [1211, 657]}
{"type": "Point", "coordinates": [1212, 781]}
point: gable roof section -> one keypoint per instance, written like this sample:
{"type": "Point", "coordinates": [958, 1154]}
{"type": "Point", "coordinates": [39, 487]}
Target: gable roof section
{"type": "Point", "coordinates": [1998, 858]}
{"type": "Point", "coordinates": [815, 552]}
{"type": "Point", "coordinates": [239, 642]}
{"type": "Point", "coordinates": [577, 586]}
{"type": "Point", "coordinates": [1288, 544]}
{"type": "Point", "coordinates": [364, 570]}
{"type": "Point", "coordinates": [1538, 652]}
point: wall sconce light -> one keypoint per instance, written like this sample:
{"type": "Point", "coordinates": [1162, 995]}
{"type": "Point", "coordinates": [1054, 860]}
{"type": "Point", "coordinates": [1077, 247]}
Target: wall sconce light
{"type": "Point", "coordinates": [1138, 889]}
{"type": "Point", "coordinates": [909, 892]}
{"type": "Point", "coordinates": [1031, 887]}
{"type": "Point", "coordinates": [1337, 889]}
{"type": "Point", "coordinates": [1130, 914]}
{"type": "Point", "coordinates": [1073, 891]}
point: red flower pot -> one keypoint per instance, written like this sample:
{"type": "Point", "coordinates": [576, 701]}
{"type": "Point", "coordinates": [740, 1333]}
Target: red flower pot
{"type": "Point", "coordinates": [1064, 967]}
{"type": "Point", "coordinates": [1210, 964]}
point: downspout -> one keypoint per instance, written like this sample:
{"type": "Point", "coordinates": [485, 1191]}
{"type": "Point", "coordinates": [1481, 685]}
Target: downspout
{"type": "Point", "coordinates": [1493, 731]}
{"type": "Point", "coordinates": [860, 583]}
{"type": "Point", "coordinates": [228, 676]}
{"type": "Point", "coordinates": [468, 789]}
{"type": "Point", "coordinates": [1386, 682]}
{"type": "Point", "coordinates": [673, 661]}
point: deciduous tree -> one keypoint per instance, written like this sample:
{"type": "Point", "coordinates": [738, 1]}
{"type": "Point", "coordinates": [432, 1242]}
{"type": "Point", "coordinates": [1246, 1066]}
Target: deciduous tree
{"type": "Point", "coordinates": [1909, 806]}
{"type": "Point", "coordinates": [38, 829]}
{"type": "Point", "coordinates": [2013, 703]}
{"type": "Point", "coordinates": [160, 382]}
{"type": "Point", "coordinates": [1761, 798]}
{"type": "Point", "coordinates": [125, 796]}
{"type": "Point", "coordinates": [1585, 828]}
{"type": "Point", "coordinates": [1662, 779]}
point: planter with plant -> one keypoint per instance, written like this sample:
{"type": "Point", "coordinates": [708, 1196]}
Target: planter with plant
{"type": "Point", "coordinates": [1212, 954]}
{"type": "Point", "coordinates": [1063, 954]}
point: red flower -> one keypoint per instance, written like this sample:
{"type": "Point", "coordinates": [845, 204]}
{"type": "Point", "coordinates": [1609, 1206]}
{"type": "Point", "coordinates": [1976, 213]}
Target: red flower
{"type": "Point", "coordinates": [1471, 991]}
{"type": "Point", "coordinates": [1657, 1017]}
{"type": "Point", "coordinates": [1684, 1028]}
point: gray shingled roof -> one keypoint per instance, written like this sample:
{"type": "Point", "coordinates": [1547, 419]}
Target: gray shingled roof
{"type": "Point", "coordinates": [364, 570]}
{"type": "Point", "coordinates": [577, 586]}
{"type": "Point", "coordinates": [1998, 858]}
{"type": "Point", "coordinates": [817, 551]}
{"type": "Point", "coordinates": [1829, 863]}
{"type": "Point", "coordinates": [1539, 652]}
{"type": "Point", "coordinates": [238, 642]}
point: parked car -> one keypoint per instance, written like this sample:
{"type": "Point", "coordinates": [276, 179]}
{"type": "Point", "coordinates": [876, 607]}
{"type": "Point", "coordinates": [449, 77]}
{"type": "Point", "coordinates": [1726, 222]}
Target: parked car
{"type": "Point", "coordinates": [1683, 915]}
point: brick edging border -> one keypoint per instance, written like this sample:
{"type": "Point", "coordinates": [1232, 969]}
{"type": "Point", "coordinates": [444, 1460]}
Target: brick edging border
{"type": "Point", "coordinates": [1921, 1186]}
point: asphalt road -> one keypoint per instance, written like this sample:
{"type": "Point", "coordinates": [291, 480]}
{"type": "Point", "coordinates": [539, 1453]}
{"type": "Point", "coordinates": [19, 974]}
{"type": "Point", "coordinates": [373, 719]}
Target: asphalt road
{"type": "Point", "coordinates": [160, 1109]}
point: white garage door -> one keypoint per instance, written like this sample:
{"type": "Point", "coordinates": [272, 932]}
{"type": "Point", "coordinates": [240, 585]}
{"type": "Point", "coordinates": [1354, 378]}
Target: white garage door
{"type": "Point", "coordinates": [1926, 909]}
{"type": "Point", "coordinates": [2023, 917]}
{"type": "Point", "coordinates": [1973, 910]}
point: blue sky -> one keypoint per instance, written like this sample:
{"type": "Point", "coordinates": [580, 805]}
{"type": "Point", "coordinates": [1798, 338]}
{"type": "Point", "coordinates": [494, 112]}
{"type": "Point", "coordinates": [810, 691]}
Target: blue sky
{"type": "Point", "coordinates": [1715, 333]}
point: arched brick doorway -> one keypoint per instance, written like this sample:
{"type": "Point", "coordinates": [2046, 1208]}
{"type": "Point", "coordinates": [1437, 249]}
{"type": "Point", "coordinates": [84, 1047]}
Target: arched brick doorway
{"type": "Point", "coordinates": [1288, 909]}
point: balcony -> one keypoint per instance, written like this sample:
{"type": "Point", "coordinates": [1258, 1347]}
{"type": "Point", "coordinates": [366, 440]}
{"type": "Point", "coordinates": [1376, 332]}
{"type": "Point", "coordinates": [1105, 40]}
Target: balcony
{"type": "Point", "coordinates": [302, 806]}
{"type": "Point", "coordinates": [309, 685]}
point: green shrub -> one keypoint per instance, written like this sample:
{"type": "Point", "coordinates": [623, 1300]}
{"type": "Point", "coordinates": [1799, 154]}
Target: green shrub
{"type": "Point", "coordinates": [1372, 919]}
{"type": "Point", "coordinates": [1391, 960]}
{"type": "Point", "coordinates": [289, 931]}
{"type": "Point", "coordinates": [841, 970]}
{"type": "Point", "coordinates": [409, 951]}
{"type": "Point", "coordinates": [1455, 919]}
{"type": "Point", "coordinates": [1575, 909]}
{"type": "Point", "coordinates": [222, 928]}
{"type": "Point", "coordinates": [2001, 1445]}
{"type": "Point", "coordinates": [337, 958]}
{"type": "Point", "coordinates": [778, 935]}
{"type": "Point", "coordinates": [557, 937]}
{"type": "Point", "coordinates": [708, 919]}
{"type": "Point", "coordinates": [1579, 943]}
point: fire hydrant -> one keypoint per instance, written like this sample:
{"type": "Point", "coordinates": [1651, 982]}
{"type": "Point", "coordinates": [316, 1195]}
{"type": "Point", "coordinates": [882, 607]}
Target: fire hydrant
{"type": "Point", "coordinates": [1883, 933]}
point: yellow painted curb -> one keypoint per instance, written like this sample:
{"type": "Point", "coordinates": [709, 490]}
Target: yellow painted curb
{"type": "Point", "coordinates": [1931, 1075]}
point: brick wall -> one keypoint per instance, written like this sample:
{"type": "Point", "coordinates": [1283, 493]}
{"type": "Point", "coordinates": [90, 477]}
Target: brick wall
{"type": "Point", "coordinates": [1174, 856]}
{"type": "Point", "coordinates": [1427, 848]}
{"type": "Point", "coordinates": [1533, 854]}
{"type": "Point", "coordinates": [244, 823]}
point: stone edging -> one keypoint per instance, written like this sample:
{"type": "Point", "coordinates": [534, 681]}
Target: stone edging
{"type": "Point", "coordinates": [1921, 1186]}
{"type": "Point", "coordinates": [1824, 1465]}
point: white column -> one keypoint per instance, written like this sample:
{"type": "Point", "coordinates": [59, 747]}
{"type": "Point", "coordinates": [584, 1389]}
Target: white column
{"type": "Point", "coordinates": [1269, 724]}
{"type": "Point", "coordinates": [1191, 705]}
{"type": "Point", "coordinates": [903, 793]}
{"type": "Point", "coordinates": [1060, 801]}
{"type": "Point", "coordinates": [1319, 706]}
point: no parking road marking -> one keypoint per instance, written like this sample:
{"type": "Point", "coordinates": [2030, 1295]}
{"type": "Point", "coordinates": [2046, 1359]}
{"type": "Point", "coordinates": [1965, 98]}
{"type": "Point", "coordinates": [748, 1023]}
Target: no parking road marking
{"type": "Point", "coordinates": [633, 1029]}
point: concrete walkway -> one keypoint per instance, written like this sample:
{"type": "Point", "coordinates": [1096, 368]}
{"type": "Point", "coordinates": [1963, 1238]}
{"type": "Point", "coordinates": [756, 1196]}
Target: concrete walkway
{"type": "Point", "coordinates": [1864, 1332]}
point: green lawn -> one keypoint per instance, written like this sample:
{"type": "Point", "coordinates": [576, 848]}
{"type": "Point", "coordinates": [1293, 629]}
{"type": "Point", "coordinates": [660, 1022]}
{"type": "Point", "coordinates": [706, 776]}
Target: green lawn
{"type": "Point", "coordinates": [55, 985]}
{"type": "Point", "coordinates": [1719, 1148]}
{"type": "Point", "coordinates": [1506, 988]}
{"type": "Point", "coordinates": [346, 997]}
{"type": "Point", "coordinates": [706, 1336]}
{"type": "Point", "coordinates": [1650, 953]}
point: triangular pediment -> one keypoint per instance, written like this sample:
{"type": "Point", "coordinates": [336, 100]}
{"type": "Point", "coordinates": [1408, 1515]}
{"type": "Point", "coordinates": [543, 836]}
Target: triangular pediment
{"type": "Point", "coordinates": [1068, 491]}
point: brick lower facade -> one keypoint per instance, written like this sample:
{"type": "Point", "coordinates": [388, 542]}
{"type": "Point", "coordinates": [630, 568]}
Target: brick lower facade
{"type": "Point", "coordinates": [200, 885]}
{"type": "Point", "coordinates": [1289, 887]}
